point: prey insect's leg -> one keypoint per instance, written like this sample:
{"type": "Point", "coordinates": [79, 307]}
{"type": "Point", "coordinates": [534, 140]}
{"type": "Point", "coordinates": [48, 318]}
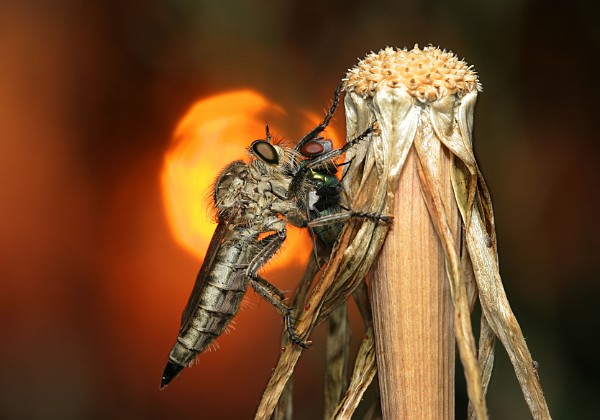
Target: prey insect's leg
{"type": "Point", "coordinates": [272, 295]}
{"type": "Point", "coordinates": [298, 219]}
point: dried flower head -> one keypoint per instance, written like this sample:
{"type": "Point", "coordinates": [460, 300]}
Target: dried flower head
{"type": "Point", "coordinates": [427, 74]}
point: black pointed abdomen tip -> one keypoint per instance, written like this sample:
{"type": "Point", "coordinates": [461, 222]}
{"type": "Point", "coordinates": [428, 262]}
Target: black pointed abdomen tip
{"type": "Point", "coordinates": [170, 372]}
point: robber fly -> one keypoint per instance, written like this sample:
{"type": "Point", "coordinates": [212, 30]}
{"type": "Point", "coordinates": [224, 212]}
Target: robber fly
{"type": "Point", "coordinates": [249, 199]}
{"type": "Point", "coordinates": [254, 202]}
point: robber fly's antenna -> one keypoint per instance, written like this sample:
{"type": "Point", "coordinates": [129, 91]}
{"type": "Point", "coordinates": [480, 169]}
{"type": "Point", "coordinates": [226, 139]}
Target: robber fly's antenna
{"type": "Point", "coordinates": [268, 138]}
{"type": "Point", "coordinates": [319, 129]}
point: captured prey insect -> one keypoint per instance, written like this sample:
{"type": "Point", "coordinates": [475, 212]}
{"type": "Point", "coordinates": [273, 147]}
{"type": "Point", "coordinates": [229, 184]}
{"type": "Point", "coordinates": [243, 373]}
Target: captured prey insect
{"type": "Point", "coordinates": [255, 201]}
{"type": "Point", "coordinates": [316, 187]}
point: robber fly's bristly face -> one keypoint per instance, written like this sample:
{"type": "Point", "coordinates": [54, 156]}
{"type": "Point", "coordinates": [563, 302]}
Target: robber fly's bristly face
{"type": "Point", "coordinates": [272, 157]}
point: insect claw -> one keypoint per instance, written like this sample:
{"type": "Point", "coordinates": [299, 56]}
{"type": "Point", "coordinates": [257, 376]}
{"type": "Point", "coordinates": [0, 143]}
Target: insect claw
{"type": "Point", "coordinates": [305, 344]}
{"type": "Point", "coordinates": [298, 341]}
{"type": "Point", "coordinates": [376, 129]}
{"type": "Point", "coordinates": [387, 219]}
{"type": "Point", "coordinates": [294, 338]}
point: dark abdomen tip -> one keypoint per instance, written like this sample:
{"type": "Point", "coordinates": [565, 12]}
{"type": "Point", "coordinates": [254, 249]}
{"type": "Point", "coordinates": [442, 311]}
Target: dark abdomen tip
{"type": "Point", "coordinates": [170, 372]}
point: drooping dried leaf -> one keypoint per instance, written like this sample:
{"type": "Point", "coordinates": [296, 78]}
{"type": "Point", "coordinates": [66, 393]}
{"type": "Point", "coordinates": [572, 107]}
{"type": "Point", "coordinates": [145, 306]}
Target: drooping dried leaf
{"type": "Point", "coordinates": [338, 349]}
{"type": "Point", "coordinates": [480, 240]}
{"type": "Point", "coordinates": [341, 277]}
{"type": "Point", "coordinates": [362, 375]}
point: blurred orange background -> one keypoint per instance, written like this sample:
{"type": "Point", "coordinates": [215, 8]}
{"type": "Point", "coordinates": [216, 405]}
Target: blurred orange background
{"type": "Point", "coordinates": [93, 280]}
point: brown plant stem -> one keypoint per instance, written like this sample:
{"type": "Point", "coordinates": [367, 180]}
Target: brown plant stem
{"type": "Point", "coordinates": [412, 309]}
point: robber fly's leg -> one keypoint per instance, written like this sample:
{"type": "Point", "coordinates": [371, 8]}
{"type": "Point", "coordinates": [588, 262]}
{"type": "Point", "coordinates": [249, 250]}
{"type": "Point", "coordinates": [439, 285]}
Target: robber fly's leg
{"type": "Point", "coordinates": [272, 295]}
{"type": "Point", "coordinates": [346, 170]}
{"type": "Point", "coordinates": [268, 247]}
{"type": "Point", "coordinates": [264, 284]}
{"type": "Point", "coordinates": [314, 133]}
{"type": "Point", "coordinates": [337, 152]}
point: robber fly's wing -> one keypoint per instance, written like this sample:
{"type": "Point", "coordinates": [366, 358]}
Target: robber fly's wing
{"type": "Point", "coordinates": [211, 253]}
{"type": "Point", "coordinates": [224, 181]}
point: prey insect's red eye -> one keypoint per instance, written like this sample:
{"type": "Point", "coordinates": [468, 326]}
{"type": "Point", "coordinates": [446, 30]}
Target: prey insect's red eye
{"type": "Point", "coordinates": [265, 151]}
{"type": "Point", "coordinates": [311, 148]}
{"type": "Point", "coordinates": [316, 147]}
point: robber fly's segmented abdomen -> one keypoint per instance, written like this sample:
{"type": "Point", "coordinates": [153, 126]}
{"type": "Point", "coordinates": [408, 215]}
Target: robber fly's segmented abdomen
{"type": "Point", "coordinates": [217, 299]}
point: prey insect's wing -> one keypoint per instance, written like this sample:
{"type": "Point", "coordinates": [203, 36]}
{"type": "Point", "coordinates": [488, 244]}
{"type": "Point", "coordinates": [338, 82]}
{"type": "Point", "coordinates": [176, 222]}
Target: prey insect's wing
{"type": "Point", "coordinates": [211, 253]}
{"type": "Point", "coordinates": [313, 236]}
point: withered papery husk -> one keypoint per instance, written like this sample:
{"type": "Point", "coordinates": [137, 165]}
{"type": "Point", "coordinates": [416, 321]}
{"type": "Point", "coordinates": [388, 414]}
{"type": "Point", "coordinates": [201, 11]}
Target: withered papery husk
{"type": "Point", "coordinates": [424, 99]}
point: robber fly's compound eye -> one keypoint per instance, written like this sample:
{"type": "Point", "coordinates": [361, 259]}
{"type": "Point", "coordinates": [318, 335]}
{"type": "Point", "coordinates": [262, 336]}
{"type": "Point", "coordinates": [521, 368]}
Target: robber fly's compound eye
{"type": "Point", "coordinates": [316, 147]}
{"type": "Point", "coordinates": [265, 151]}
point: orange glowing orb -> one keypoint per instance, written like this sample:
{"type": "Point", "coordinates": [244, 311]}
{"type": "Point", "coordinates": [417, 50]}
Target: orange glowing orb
{"type": "Point", "coordinates": [214, 132]}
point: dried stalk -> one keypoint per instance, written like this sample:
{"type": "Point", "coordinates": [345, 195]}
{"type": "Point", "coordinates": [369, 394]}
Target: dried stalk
{"type": "Point", "coordinates": [424, 100]}
{"type": "Point", "coordinates": [338, 349]}
{"type": "Point", "coordinates": [412, 307]}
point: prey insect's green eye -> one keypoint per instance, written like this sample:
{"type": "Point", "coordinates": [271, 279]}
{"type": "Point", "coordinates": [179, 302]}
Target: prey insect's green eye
{"type": "Point", "coordinates": [265, 151]}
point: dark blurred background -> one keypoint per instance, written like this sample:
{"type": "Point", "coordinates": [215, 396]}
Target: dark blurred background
{"type": "Point", "coordinates": [93, 283]}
